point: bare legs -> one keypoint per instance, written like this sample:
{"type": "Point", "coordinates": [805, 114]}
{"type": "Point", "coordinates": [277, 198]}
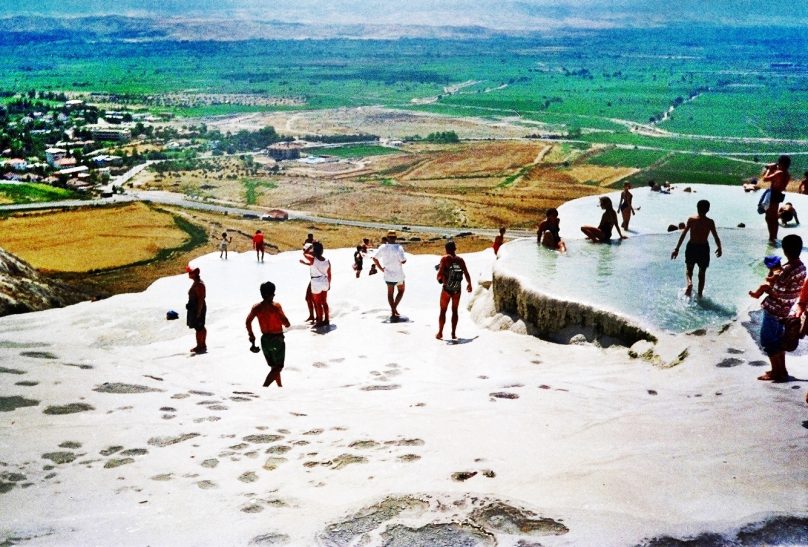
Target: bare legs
{"type": "Point", "coordinates": [201, 341]}
{"type": "Point", "coordinates": [626, 213]}
{"type": "Point", "coordinates": [394, 299]}
{"type": "Point", "coordinates": [689, 278]}
{"type": "Point", "coordinates": [592, 233]}
{"type": "Point", "coordinates": [310, 303]}
{"type": "Point", "coordinates": [445, 297]}
{"type": "Point", "coordinates": [778, 373]}
{"type": "Point", "coordinates": [320, 301]}
{"type": "Point", "coordinates": [274, 376]}
{"type": "Point", "coordinates": [772, 223]}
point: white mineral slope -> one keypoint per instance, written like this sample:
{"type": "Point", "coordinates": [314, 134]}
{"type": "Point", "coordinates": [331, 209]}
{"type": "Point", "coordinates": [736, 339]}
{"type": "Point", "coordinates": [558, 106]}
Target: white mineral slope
{"type": "Point", "coordinates": [616, 448]}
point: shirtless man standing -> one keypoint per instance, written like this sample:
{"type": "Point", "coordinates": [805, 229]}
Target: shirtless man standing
{"type": "Point", "coordinates": [271, 320]}
{"type": "Point", "coordinates": [698, 249]}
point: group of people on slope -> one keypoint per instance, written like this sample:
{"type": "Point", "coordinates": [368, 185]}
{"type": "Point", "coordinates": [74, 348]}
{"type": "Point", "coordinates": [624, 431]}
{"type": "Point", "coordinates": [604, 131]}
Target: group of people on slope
{"type": "Point", "coordinates": [389, 258]}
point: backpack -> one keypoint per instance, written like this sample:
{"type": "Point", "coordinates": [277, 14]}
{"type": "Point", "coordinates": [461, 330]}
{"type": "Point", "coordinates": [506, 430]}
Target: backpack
{"type": "Point", "coordinates": [454, 277]}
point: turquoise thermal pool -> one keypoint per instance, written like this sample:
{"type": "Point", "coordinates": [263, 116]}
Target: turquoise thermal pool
{"type": "Point", "coordinates": [636, 278]}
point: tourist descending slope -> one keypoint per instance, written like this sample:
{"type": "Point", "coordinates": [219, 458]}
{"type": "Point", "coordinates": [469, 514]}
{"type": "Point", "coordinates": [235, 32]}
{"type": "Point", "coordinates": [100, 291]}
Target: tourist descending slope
{"type": "Point", "coordinates": [223, 245]}
{"type": "Point", "coordinates": [697, 251]}
{"type": "Point", "coordinates": [788, 288]}
{"type": "Point", "coordinates": [499, 240]}
{"type": "Point", "coordinates": [359, 260]}
{"type": "Point", "coordinates": [549, 232]}
{"type": "Point", "coordinates": [197, 310]}
{"type": "Point", "coordinates": [389, 258]}
{"type": "Point", "coordinates": [625, 205]}
{"type": "Point", "coordinates": [258, 245]}
{"type": "Point", "coordinates": [777, 175]}
{"type": "Point", "coordinates": [451, 271]}
{"type": "Point", "coordinates": [271, 320]}
{"type": "Point", "coordinates": [320, 271]}
{"type": "Point", "coordinates": [608, 222]}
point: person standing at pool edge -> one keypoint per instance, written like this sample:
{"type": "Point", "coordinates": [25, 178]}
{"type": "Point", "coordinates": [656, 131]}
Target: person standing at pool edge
{"type": "Point", "coordinates": [389, 259]}
{"type": "Point", "coordinates": [499, 240]}
{"type": "Point", "coordinates": [697, 251]}
{"type": "Point", "coordinates": [776, 174]}
{"type": "Point", "coordinates": [625, 205]}
{"type": "Point", "coordinates": [788, 288]}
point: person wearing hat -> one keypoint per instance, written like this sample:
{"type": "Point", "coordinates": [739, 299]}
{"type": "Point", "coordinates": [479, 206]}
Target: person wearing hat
{"type": "Point", "coordinates": [197, 310]}
{"type": "Point", "coordinates": [775, 269]}
{"type": "Point", "coordinates": [389, 259]}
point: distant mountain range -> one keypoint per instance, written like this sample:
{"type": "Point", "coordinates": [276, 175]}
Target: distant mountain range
{"type": "Point", "coordinates": [388, 18]}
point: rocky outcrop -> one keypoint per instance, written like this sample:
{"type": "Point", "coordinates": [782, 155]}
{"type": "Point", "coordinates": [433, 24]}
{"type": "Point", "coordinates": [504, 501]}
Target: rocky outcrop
{"type": "Point", "coordinates": [558, 320]}
{"type": "Point", "coordinates": [23, 289]}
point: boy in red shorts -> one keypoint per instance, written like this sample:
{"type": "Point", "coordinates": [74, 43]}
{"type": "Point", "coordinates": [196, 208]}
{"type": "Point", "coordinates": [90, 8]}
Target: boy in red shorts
{"type": "Point", "coordinates": [271, 319]}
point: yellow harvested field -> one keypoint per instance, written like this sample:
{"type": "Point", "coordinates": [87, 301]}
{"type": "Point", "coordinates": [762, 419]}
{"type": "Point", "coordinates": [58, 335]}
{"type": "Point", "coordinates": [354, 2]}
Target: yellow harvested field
{"type": "Point", "coordinates": [476, 160]}
{"type": "Point", "coordinates": [599, 174]}
{"type": "Point", "coordinates": [90, 239]}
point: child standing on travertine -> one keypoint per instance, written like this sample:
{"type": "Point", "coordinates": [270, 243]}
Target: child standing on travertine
{"type": "Point", "coordinates": [271, 319]}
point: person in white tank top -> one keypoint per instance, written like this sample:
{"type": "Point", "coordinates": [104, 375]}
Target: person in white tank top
{"type": "Point", "coordinates": [320, 270]}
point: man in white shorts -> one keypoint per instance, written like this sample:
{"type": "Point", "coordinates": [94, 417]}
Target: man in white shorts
{"type": "Point", "coordinates": [390, 259]}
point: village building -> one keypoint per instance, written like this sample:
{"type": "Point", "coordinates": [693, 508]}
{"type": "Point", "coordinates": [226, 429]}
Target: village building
{"type": "Point", "coordinates": [284, 151]}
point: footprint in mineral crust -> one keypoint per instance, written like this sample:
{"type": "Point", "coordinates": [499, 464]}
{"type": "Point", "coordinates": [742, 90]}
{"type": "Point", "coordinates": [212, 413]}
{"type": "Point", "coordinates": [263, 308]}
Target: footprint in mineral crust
{"type": "Point", "coordinates": [207, 485]}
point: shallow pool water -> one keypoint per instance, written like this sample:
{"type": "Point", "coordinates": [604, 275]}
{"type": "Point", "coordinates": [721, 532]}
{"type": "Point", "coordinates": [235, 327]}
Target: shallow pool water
{"type": "Point", "coordinates": [637, 278]}
{"type": "Point", "coordinates": [729, 206]}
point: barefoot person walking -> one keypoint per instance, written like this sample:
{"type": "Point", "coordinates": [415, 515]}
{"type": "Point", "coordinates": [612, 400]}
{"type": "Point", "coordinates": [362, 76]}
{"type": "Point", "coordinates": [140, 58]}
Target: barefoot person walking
{"type": "Point", "coordinates": [390, 259]}
{"type": "Point", "coordinates": [258, 245]}
{"type": "Point", "coordinates": [697, 251]}
{"type": "Point", "coordinates": [788, 288]}
{"type": "Point", "coordinates": [197, 310]}
{"type": "Point", "coordinates": [271, 320]}
{"type": "Point", "coordinates": [625, 206]}
{"type": "Point", "coordinates": [451, 271]}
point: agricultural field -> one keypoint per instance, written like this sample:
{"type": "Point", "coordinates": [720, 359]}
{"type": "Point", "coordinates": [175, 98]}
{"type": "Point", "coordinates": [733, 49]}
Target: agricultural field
{"type": "Point", "coordinates": [353, 151]}
{"type": "Point", "coordinates": [95, 238]}
{"type": "Point", "coordinates": [32, 193]}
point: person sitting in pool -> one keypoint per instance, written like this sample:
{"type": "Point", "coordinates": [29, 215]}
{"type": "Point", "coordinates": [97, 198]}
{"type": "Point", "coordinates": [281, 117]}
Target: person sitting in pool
{"type": "Point", "coordinates": [697, 251]}
{"type": "Point", "coordinates": [775, 269]}
{"type": "Point", "coordinates": [608, 222]}
{"type": "Point", "coordinates": [549, 232]}
{"type": "Point", "coordinates": [787, 213]}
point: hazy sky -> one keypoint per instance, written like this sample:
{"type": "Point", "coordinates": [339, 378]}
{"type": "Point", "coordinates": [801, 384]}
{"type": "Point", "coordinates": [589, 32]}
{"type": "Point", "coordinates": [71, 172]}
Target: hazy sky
{"type": "Point", "coordinates": [503, 14]}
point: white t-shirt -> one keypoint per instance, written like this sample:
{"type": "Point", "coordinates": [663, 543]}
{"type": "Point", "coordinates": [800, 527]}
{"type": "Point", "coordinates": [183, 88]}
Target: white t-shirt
{"type": "Point", "coordinates": [391, 256]}
{"type": "Point", "coordinates": [319, 275]}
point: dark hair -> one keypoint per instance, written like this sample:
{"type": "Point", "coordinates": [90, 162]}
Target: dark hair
{"type": "Point", "coordinates": [450, 246]}
{"type": "Point", "coordinates": [358, 247]}
{"type": "Point", "coordinates": [309, 236]}
{"type": "Point", "coordinates": [502, 229]}
{"type": "Point", "coordinates": [317, 249]}
{"type": "Point", "coordinates": [267, 290]}
{"type": "Point", "coordinates": [607, 201]}
{"type": "Point", "coordinates": [784, 160]}
{"type": "Point", "coordinates": [703, 206]}
{"type": "Point", "coordinates": [224, 234]}
{"type": "Point", "coordinates": [552, 212]}
{"type": "Point", "coordinates": [792, 245]}
{"type": "Point", "coordinates": [258, 231]}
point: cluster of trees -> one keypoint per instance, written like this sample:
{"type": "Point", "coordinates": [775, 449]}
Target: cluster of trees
{"type": "Point", "coordinates": [439, 137]}
{"type": "Point", "coordinates": [334, 139]}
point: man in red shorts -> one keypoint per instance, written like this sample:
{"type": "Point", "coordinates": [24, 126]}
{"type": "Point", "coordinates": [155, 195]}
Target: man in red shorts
{"type": "Point", "coordinates": [451, 271]}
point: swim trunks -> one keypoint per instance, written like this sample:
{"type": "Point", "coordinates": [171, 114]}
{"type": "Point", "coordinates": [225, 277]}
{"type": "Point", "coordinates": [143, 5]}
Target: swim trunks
{"type": "Point", "coordinates": [698, 254]}
{"type": "Point", "coordinates": [274, 348]}
{"type": "Point", "coordinates": [195, 321]}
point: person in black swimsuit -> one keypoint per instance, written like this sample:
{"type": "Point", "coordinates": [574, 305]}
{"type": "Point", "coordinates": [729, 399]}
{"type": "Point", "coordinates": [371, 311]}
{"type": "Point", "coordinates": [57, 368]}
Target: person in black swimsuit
{"type": "Point", "coordinates": [608, 222]}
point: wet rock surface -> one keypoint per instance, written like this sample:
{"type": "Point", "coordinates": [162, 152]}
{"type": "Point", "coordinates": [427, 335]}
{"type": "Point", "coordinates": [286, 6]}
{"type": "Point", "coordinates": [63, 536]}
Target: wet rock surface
{"type": "Point", "coordinates": [440, 520]}
{"type": "Point", "coordinates": [117, 387]}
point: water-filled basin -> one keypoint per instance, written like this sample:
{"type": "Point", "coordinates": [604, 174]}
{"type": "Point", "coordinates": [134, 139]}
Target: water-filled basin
{"type": "Point", "coordinates": [636, 278]}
